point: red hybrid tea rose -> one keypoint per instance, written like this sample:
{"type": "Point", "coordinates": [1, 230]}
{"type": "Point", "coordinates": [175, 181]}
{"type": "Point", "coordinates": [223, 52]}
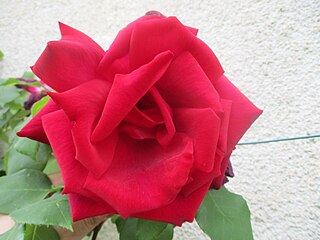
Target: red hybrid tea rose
{"type": "Point", "coordinates": [144, 128]}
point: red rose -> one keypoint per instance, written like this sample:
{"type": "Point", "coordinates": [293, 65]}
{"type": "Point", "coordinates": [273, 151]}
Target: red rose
{"type": "Point", "coordinates": [144, 128]}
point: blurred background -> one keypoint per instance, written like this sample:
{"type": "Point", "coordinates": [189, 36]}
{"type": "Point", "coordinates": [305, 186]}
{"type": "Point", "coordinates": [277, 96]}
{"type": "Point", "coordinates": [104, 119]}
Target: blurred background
{"type": "Point", "coordinates": [271, 52]}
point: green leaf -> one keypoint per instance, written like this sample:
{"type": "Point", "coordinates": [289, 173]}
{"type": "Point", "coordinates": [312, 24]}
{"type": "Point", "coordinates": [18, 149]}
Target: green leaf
{"type": "Point", "coordinates": [44, 153]}
{"type": "Point", "coordinates": [140, 229]}
{"type": "Point", "coordinates": [28, 75]}
{"type": "Point", "coordinates": [224, 215]}
{"type": "Point", "coordinates": [15, 233]}
{"type": "Point", "coordinates": [36, 232]}
{"type": "Point", "coordinates": [36, 83]}
{"type": "Point", "coordinates": [54, 211]}
{"type": "Point", "coordinates": [24, 95]}
{"type": "Point", "coordinates": [27, 154]}
{"type": "Point", "coordinates": [3, 137]}
{"type": "Point", "coordinates": [39, 105]}
{"type": "Point", "coordinates": [17, 104]}
{"type": "Point", "coordinates": [9, 82]}
{"type": "Point", "coordinates": [8, 94]}
{"type": "Point", "coordinates": [1, 168]}
{"type": "Point", "coordinates": [167, 233]}
{"type": "Point", "coordinates": [52, 166]}
{"type": "Point", "coordinates": [17, 161]}
{"type": "Point", "coordinates": [3, 110]}
{"type": "Point", "coordinates": [22, 188]}
{"type": "Point", "coordinates": [115, 218]}
{"type": "Point", "coordinates": [149, 230]}
{"type": "Point", "coordinates": [5, 164]}
{"type": "Point", "coordinates": [1, 55]}
{"type": "Point", "coordinates": [27, 147]}
{"type": "Point", "coordinates": [127, 228]}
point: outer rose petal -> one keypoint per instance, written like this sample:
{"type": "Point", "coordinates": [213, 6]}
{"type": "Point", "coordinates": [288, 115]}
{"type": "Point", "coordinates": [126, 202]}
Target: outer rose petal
{"type": "Point", "coordinates": [193, 30]}
{"type": "Point", "coordinates": [83, 207]}
{"type": "Point", "coordinates": [143, 175]}
{"type": "Point", "coordinates": [116, 59]}
{"type": "Point", "coordinates": [91, 96]}
{"type": "Point", "coordinates": [34, 129]}
{"type": "Point", "coordinates": [243, 114]}
{"type": "Point", "coordinates": [70, 61]}
{"type": "Point", "coordinates": [223, 137]}
{"type": "Point", "coordinates": [58, 129]}
{"type": "Point", "coordinates": [180, 210]}
{"type": "Point", "coordinates": [73, 173]}
{"type": "Point", "coordinates": [152, 37]}
{"type": "Point", "coordinates": [201, 178]}
{"type": "Point", "coordinates": [71, 34]}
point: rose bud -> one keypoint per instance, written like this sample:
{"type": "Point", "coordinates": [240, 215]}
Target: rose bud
{"type": "Point", "coordinates": [36, 92]}
{"type": "Point", "coordinates": [33, 97]}
{"type": "Point", "coordinates": [228, 173]}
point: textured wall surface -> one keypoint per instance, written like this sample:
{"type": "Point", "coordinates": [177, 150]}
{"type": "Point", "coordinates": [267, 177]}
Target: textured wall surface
{"type": "Point", "coordinates": [269, 49]}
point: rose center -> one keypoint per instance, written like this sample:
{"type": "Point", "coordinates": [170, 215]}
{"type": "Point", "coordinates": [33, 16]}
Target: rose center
{"type": "Point", "coordinates": [151, 118]}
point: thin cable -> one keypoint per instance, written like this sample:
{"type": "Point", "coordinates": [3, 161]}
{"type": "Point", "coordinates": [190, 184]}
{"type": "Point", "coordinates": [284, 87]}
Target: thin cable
{"type": "Point", "coordinates": [279, 140]}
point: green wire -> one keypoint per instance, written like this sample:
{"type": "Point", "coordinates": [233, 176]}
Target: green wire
{"type": "Point", "coordinates": [279, 140]}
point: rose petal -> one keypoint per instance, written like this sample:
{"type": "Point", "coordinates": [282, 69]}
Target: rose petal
{"type": "Point", "coordinates": [220, 156]}
{"type": "Point", "coordinates": [83, 207]}
{"type": "Point", "coordinates": [186, 85]}
{"type": "Point", "coordinates": [203, 127]}
{"type": "Point", "coordinates": [91, 96]}
{"type": "Point", "coordinates": [222, 146]}
{"type": "Point", "coordinates": [70, 61]}
{"type": "Point", "coordinates": [217, 182]}
{"type": "Point", "coordinates": [152, 37]}
{"type": "Point", "coordinates": [206, 59]}
{"type": "Point", "coordinates": [144, 118]}
{"type": "Point", "coordinates": [193, 30]}
{"type": "Point", "coordinates": [137, 132]}
{"type": "Point", "coordinates": [116, 59]}
{"type": "Point", "coordinates": [34, 129]}
{"type": "Point", "coordinates": [166, 133]}
{"type": "Point", "coordinates": [126, 91]}
{"type": "Point", "coordinates": [71, 34]}
{"type": "Point", "coordinates": [98, 156]}
{"type": "Point", "coordinates": [242, 114]}
{"type": "Point", "coordinates": [204, 176]}
{"type": "Point", "coordinates": [180, 210]}
{"type": "Point", "coordinates": [143, 175]}
{"type": "Point", "coordinates": [199, 178]}
{"type": "Point", "coordinates": [58, 129]}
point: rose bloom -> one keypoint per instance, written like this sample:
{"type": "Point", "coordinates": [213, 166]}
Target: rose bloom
{"type": "Point", "coordinates": [144, 128]}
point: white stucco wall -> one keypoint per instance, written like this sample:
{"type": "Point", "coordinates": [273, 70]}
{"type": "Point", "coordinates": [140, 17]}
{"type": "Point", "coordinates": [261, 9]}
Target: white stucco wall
{"type": "Point", "coordinates": [269, 49]}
